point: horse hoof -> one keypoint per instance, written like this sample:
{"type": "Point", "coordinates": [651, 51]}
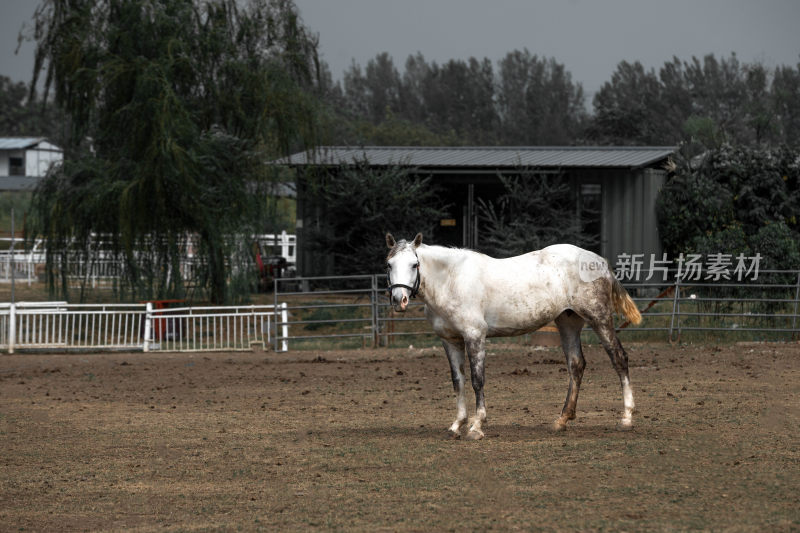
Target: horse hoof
{"type": "Point", "coordinates": [475, 435]}
{"type": "Point", "coordinates": [454, 435]}
{"type": "Point", "coordinates": [625, 425]}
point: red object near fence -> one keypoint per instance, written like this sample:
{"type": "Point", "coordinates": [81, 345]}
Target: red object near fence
{"type": "Point", "coordinates": [165, 328]}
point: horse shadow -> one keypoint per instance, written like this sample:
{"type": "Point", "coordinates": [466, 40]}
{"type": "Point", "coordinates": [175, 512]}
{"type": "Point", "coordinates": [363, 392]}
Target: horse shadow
{"type": "Point", "coordinates": [500, 433]}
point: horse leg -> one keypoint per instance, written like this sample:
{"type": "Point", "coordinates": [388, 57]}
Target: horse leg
{"type": "Point", "coordinates": [569, 326]}
{"type": "Point", "coordinates": [476, 349]}
{"type": "Point", "coordinates": [619, 358]}
{"type": "Point", "coordinates": [455, 355]}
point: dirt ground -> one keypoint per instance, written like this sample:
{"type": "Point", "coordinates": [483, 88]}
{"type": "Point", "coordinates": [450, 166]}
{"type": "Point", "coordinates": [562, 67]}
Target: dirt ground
{"type": "Point", "coordinates": [356, 440]}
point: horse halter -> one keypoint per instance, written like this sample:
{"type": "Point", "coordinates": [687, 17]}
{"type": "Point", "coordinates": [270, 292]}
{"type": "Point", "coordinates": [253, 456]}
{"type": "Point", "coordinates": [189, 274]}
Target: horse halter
{"type": "Point", "coordinates": [414, 290]}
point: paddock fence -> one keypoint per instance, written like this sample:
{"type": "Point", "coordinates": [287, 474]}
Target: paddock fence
{"type": "Point", "coordinates": [30, 326]}
{"type": "Point", "coordinates": [354, 311]}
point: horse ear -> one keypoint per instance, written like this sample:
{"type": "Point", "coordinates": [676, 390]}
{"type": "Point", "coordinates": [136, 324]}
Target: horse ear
{"type": "Point", "coordinates": [390, 242]}
{"type": "Point", "coordinates": [417, 240]}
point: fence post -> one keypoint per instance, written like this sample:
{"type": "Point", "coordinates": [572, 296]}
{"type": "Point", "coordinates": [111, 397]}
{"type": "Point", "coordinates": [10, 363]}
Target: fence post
{"type": "Point", "coordinates": [373, 296]}
{"type": "Point", "coordinates": [796, 298]}
{"type": "Point", "coordinates": [147, 326]}
{"type": "Point", "coordinates": [675, 304]}
{"type": "Point", "coordinates": [284, 244]}
{"type": "Point", "coordinates": [12, 327]}
{"type": "Point", "coordinates": [284, 327]}
{"type": "Point", "coordinates": [278, 316]}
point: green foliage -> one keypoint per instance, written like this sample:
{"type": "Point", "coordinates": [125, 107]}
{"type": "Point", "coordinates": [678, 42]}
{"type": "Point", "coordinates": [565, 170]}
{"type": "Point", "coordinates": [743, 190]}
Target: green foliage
{"type": "Point", "coordinates": [711, 101]}
{"type": "Point", "coordinates": [690, 207]}
{"type": "Point", "coordinates": [763, 181]}
{"type": "Point", "coordinates": [703, 130]}
{"type": "Point", "coordinates": [534, 211]}
{"type": "Point", "coordinates": [529, 100]}
{"type": "Point", "coordinates": [394, 131]}
{"type": "Point", "coordinates": [22, 114]}
{"type": "Point", "coordinates": [785, 103]}
{"type": "Point", "coordinates": [733, 199]}
{"type": "Point", "coordinates": [728, 240]}
{"type": "Point", "coordinates": [174, 106]}
{"type": "Point", "coordinates": [525, 99]}
{"type": "Point", "coordinates": [625, 108]}
{"type": "Point", "coordinates": [20, 201]}
{"type": "Point", "coordinates": [359, 205]}
{"type": "Point", "coordinates": [778, 245]}
{"type": "Point", "coordinates": [538, 102]}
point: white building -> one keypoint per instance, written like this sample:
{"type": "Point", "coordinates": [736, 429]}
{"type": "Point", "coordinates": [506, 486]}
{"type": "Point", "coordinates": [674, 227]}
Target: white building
{"type": "Point", "coordinates": [25, 160]}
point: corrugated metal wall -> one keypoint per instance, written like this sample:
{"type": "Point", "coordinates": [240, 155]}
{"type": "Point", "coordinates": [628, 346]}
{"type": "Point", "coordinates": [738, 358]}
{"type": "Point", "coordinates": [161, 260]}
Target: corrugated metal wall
{"type": "Point", "coordinates": [629, 220]}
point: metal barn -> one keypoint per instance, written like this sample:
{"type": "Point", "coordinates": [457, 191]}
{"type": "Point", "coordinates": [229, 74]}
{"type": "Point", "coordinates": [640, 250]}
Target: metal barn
{"type": "Point", "coordinates": [621, 182]}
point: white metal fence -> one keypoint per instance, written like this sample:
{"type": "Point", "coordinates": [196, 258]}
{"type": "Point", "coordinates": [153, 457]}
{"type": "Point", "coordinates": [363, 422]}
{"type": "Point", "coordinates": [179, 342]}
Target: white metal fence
{"type": "Point", "coordinates": [205, 329]}
{"type": "Point", "coordinates": [102, 269]}
{"type": "Point", "coordinates": [62, 326]}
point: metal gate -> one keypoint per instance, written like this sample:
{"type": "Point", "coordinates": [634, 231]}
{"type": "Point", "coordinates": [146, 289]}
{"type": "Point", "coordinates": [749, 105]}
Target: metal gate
{"type": "Point", "coordinates": [356, 308]}
{"type": "Point", "coordinates": [339, 308]}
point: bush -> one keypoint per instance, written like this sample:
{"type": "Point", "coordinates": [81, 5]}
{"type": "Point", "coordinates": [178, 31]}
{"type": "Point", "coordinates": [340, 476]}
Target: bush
{"type": "Point", "coordinates": [730, 186]}
{"type": "Point", "coordinates": [730, 240]}
{"type": "Point", "coordinates": [778, 245]}
{"type": "Point", "coordinates": [690, 208]}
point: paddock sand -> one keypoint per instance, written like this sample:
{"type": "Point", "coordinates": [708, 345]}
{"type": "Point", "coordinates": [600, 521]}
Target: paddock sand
{"type": "Point", "coordinates": [356, 440]}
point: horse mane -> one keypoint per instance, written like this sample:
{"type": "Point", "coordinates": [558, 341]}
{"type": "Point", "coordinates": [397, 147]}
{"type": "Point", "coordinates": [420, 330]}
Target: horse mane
{"type": "Point", "coordinates": [450, 256]}
{"type": "Point", "coordinates": [451, 250]}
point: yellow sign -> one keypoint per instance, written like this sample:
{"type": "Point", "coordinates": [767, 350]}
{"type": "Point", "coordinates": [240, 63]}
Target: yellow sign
{"type": "Point", "coordinates": [447, 222]}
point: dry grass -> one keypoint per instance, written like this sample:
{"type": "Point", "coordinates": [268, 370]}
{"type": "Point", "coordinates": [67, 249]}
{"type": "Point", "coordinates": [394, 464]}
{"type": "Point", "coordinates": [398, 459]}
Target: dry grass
{"type": "Point", "coordinates": [355, 440]}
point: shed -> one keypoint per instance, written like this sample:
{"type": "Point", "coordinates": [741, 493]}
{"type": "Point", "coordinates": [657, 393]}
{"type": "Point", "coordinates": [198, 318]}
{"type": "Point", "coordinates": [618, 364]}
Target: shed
{"type": "Point", "coordinates": [25, 160]}
{"type": "Point", "coordinates": [622, 182]}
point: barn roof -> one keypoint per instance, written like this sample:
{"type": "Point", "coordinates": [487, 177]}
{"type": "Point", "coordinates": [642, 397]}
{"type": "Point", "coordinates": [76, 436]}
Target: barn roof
{"type": "Point", "coordinates": [484, 156]}
{"type": "Point", "coordinates": [19, 143]}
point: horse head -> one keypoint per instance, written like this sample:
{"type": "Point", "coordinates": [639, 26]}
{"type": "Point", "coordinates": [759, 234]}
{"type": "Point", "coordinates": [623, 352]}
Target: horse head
{"type": "Point", "coordinates": [402, 270]}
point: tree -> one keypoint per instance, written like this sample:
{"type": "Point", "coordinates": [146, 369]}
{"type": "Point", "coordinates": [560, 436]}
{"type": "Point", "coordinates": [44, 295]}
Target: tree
{"type": "Point", "coordinates": [711, 101]}
{"type": "Point", "coordinates": [535, 210]}
{"type": "Point", "coordinates": [538, 103]}
{"type": "Point", "coordinates": [174, 106]}
{"type": "Point", "coordinates": [358, 205]}
{"type": "Point", "coordinates": [375, 93]}
{"type": "Point", "coordinates": [22, 115]}
{"type": "Point", "coordinates": [722, 194]}
{"type": "Point", "coordinates": [414, 85]}
{"type": "Point", "coordinates": [458, 100]}
{"type": "Point", "coordinates": [785, 97]}
{"type": "Point", "coordinates": [627, 108]}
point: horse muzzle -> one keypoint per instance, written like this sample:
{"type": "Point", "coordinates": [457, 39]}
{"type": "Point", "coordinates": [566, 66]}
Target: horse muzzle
{"type": "Point", "coordinates": [399, 297]}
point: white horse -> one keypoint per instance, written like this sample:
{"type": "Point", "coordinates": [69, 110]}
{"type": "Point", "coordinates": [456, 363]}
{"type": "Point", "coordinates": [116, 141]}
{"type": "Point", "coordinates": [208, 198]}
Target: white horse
{"type": "Point", "coordinates": [469, 296]}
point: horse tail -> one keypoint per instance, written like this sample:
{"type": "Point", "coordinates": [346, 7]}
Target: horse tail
{"type": "Point", "coordinates": [623, 303]}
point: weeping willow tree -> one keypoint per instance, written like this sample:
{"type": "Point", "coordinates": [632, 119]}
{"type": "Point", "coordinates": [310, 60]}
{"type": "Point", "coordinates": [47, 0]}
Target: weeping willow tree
{"type": "Point", "coordinates": [173, 108]}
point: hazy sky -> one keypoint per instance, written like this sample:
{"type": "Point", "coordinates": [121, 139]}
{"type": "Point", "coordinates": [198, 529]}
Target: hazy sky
{"type": "Point", "coordinates": [590, 37]}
